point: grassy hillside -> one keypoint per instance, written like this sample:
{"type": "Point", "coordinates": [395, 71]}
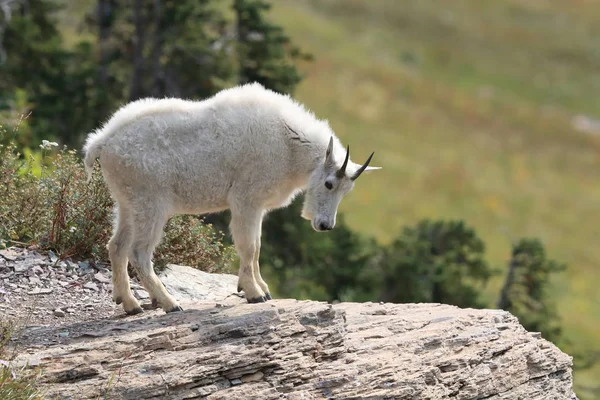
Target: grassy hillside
{"type": "Point", "coordinates": [468, 106]}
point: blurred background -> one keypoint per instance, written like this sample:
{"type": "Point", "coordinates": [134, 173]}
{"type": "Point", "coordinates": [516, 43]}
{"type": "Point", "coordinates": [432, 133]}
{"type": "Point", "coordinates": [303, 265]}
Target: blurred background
{"type": "Point", "coordinates": [485, 116]}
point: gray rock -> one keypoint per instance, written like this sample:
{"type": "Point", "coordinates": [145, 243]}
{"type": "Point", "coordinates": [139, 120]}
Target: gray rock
{"type": "Point", "coordinates": [100, 277]}
{"type": "Point", "coordinates": [34, 280]}
{"type": "Point", "coordinates": [10, 254]}
{"type": "Point", "coordinates": [141, 294]}
{"type": "Point", "coordinates": [59, 313]}
{"type": "Point", "coordinates": [187, 283]}
{"type": "Point", "coordinates": [22, 266]}
{"type": "Point", "coordinates": [52, 256]}
{"type": "Point", "coordinates": [91, 286]}
{"type": "Point", "coordinates": [38, 290]}
{"type": "Point", "coordinates": [317, 351]}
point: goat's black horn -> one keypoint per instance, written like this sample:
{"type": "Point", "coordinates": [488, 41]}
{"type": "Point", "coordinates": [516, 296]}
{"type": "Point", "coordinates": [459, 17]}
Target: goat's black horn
{"type": "Point", "coordinates": [361, 169]}
{"type": "Point", "coordinates": [342, 171]}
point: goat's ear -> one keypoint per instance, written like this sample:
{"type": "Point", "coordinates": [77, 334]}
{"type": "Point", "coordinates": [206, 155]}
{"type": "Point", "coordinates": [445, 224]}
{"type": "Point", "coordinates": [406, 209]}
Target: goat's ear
{"type": "Point", "coordinates": [329, 153]}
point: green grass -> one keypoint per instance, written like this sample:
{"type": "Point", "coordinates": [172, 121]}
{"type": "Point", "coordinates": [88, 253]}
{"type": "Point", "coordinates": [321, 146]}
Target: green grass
{"type": "Point", "coordinates": [468, 107]}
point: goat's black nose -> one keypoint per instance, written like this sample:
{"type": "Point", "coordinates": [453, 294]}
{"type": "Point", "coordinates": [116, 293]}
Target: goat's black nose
{"type": "Point", "coordinates": [324, 227]}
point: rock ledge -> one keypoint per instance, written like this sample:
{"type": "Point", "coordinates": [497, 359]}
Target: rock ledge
{"type": "Point", "coordinates": [289, 349]}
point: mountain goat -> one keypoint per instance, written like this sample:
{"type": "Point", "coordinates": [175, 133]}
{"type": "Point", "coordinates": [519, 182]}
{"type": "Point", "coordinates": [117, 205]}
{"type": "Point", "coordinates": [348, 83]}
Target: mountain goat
{"type": "Point", "coordinates": [246, 149]}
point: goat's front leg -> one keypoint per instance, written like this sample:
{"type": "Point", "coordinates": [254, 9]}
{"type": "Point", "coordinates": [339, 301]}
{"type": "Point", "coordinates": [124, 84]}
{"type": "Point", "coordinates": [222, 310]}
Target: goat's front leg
{"type": "Point", "coordinates": [256, 269]}
{"type": "Point", "coordinates": [245, 230]}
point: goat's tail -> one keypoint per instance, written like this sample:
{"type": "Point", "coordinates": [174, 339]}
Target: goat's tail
{"type": "Point", "coordinates": [92, 148]}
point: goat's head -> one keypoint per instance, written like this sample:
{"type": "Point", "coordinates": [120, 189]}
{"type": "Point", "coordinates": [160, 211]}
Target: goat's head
{"type": "Point", "coordinates": [327, 185]}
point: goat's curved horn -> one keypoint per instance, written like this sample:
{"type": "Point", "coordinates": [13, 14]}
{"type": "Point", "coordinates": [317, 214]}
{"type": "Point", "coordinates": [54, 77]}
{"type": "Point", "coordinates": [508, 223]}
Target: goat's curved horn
{"type": "Point", "coordinates": [342, 171]}
{"type": "Point", "coordinates": [361, 169]}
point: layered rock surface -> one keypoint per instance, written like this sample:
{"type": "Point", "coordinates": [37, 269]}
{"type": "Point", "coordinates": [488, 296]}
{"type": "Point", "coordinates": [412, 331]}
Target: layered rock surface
{"type": "Point", "coordinates": [222, 348]}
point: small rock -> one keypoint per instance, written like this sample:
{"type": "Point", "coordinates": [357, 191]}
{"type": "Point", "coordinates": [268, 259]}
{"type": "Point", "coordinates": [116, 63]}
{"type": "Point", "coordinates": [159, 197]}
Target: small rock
{"type": "Point", "coordinates": [100, 277]}
{"type": "Point", "coordinates": [63, 334]}
{"type": "Point", "coordinates": [36, 269]}
{"type": "Point", "coordinates": [91, 286]}
{"type": "Point", "coordinates": [141, 294]}
{"type": "Point", "coordinates": [257, 376]}
{"type": "Point", "coordinates": [34, 280]}
{"type": "Point", "coordinates": [9, 254]}
{"type": "Point", "coordinates": [236, 381]}
{"type": "Point", "coordinates": [70, 310]}
{"type": "Point", "coordinates": [84, 265]}
{"type": "Point", "coordinates": [52, 257]}
{"type": "Point", "coordinates": [59, 313]}
{"type": "Point", "coordinates": [38, 290]}
{"type": "Point", "coordinates": [21, 267]}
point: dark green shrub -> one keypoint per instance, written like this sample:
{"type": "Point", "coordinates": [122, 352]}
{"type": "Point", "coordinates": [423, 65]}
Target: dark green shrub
{"type": "Point", "coordinates": [526, 289]}
{"type": "Point", "coordinates": [435, 262]}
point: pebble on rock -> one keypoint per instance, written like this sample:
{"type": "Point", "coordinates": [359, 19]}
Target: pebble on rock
{"type": "Point", "coordinates": [141, 294]}
{"type": "Point", "coordinates": [91, 286]}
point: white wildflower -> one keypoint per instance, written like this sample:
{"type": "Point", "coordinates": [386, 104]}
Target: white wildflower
{"type": "Point", "coordinates": [72, 229]}
{"type": "Point", "coordinates": [46, 145]}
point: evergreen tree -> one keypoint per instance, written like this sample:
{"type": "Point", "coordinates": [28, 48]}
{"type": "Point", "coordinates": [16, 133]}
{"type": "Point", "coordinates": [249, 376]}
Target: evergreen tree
{"type": "Point", "coordinates": [435, 261]}
{"type": "Point", "coordinates": [526, 289]}
{"type": "Point", "coordinates": [160, 48]}
{"type": "Point", "coordinates": [265, 54]}
{"type": "Point", "coordinates": [52, 78]}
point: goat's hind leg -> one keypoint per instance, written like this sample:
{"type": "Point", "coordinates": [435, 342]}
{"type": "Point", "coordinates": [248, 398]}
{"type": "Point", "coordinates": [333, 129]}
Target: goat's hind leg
{"type": "Point", "coordinates": [118, 249]}
{"type": "Point", "coordinates": [149, 224]}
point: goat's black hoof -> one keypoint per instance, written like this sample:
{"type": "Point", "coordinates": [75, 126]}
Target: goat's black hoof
{"type": "Point", "coordinates": [135, 311]}
{"type": "Point", "coordinates": [239, 288]}
{"type": "Point", "coordinates": [175, 309]}
{"type": "Point", "coordinates": [261, 299]}
{"type": "Point", "coordinates": [268, 296]}
{"type": "Point", "coordinates": [119, 300]}
{"type": "Point", "coordinates": [154, 303]}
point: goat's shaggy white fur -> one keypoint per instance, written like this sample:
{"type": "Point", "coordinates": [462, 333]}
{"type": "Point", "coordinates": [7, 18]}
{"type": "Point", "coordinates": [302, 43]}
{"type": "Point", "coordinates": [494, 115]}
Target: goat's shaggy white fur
{"type": "Point", "coordinates": [246, 149]}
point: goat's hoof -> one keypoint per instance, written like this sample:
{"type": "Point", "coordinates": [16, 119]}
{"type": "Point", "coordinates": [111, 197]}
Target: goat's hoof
{"type": "Point", "coordinates": [261, 299]}
{"type": "Point", "coordinates": [268, 296]}
{"type": "Point", "coordinates": [175, 309]}
{"type": "Point", "coordinates": [154, 303]}
{"type": "Point", "coordinates": [239, 288]}
{"type": "Point", "coordinates": [118, 300]}
{"type": "Point", "coordinates": [135, 311]}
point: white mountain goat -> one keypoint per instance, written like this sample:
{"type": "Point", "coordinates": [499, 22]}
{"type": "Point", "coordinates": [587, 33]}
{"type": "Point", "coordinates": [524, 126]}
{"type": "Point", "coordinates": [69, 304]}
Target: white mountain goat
{"type": "Point", "coordinates": [246, 149]}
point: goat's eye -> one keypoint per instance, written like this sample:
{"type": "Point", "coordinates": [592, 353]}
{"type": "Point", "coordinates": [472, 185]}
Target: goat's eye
{"type": "Point", "coordinates": [328, 185]}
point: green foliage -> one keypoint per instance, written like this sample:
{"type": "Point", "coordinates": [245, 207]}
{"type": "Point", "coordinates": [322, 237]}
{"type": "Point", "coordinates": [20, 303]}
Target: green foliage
{"type": "Point", "coordinates": [526, 292]}
{"type": "Point", "coordinates": [191, 242]}
{"type": "Point", "coordinates": [435, 261]}
{"type": "Point", "coordinates": [162, 48]}
{"type": "Point", "coordinates": [21, 197]}
{"type": "Point", "coordinates": [265, 53]}
{"type": "Point", "coordinates": [54, 79]}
